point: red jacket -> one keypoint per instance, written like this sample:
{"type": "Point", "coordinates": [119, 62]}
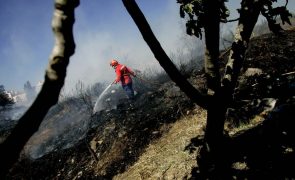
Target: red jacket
{"type": "Point", "coordinates": [123, 74]}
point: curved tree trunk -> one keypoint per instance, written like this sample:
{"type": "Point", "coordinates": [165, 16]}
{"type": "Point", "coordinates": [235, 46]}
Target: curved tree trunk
{"type": "Point", "coordinates": [161, 56]}
{"type": "Point", "coordinates": [222, 93]}
{"type": "Point", "coordinates": [28, 124]}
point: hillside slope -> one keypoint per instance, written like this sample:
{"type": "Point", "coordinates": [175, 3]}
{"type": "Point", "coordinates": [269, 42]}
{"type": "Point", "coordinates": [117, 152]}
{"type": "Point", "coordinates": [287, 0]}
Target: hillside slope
{"type": "Point", "coordinates": [160, 136]}
{"type": "Point", "coordinates": [169, 157]}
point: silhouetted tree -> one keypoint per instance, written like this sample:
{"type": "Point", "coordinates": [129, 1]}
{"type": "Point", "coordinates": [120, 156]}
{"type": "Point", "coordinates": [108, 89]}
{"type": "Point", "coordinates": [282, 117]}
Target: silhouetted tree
{"type": "Point", "coordinates": [207, 15]}
{"type": "Point", "coordinates": [62, 25]}
{"type": "Point", "coordinates": [221, 90]}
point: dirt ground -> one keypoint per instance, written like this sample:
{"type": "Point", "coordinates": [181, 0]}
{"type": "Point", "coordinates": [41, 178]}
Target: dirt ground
{"type": "Point", "coordinates": [158, 137]}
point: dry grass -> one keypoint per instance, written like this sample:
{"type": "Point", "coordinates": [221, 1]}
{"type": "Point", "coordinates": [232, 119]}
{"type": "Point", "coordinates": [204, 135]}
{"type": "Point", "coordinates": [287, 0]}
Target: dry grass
{"type": "Point", "coordinates": [166, 158]}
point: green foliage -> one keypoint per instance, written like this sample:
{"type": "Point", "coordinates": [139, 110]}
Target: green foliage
{"type": "Point", "coordinates": [195, 10]}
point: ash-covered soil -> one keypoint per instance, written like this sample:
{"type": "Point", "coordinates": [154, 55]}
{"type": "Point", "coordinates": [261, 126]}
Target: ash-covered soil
{"type": "Point", "coordinates": [259, 127]}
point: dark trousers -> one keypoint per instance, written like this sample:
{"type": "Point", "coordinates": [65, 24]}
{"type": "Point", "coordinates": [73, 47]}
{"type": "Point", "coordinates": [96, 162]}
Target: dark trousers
{"type": "Point", "coordinates": [129, 90]}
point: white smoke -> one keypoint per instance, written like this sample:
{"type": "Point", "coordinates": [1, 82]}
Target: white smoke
{"type": "Point", "coordinates": [95, 47]}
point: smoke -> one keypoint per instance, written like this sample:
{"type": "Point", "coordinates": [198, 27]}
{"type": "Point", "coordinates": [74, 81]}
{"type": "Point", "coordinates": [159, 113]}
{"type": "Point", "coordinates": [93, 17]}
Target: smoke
{"type": "Point", "coordinates": [13, 113]}
{"type": "Point", "coordinates": [64, 126]}
{"type": "Point", "coordinates": [96, 46]}
{"type": "Point", "coordinates": [102, 31]}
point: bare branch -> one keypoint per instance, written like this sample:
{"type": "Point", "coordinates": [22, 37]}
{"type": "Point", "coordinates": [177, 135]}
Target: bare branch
{"type": "Point", "coordinates": [231, 20]}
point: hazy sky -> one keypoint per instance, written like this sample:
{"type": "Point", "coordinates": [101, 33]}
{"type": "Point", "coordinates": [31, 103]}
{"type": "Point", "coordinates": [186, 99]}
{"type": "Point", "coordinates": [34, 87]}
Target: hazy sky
{"type": "Point", "coordinates": [103, 30]}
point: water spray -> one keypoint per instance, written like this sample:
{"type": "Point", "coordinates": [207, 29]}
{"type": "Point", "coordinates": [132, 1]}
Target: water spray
{"type": "Point", "coordinates": [99, 98]}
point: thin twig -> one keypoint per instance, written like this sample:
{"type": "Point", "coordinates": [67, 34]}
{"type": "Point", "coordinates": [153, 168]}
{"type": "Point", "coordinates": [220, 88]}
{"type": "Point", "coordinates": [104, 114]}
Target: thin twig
{"type": "Point", "coordinates": [91, 152]}
{"type": "Point", "coordinates": [289, 73]}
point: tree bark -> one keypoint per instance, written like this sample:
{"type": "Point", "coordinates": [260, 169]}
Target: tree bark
{"type": "Point", "coordinates": [248, 17]}
{"type": "Point", "coordinates": [249, 14]}
{"type": "Point", "coordinates": [212, 33]}
{"type": "Point", "coordinates": [161, 56]}
{"type": "Point", "coordinates": [28, 124]}
{"type": "Point", "coordinates": [217, 108]}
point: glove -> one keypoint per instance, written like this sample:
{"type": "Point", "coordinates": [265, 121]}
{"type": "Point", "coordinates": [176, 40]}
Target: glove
{"type": "Point", "coordinates": [115, 82]}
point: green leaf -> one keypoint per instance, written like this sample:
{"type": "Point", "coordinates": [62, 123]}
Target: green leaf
{"type": "Point", "coordinates": [188, 8]}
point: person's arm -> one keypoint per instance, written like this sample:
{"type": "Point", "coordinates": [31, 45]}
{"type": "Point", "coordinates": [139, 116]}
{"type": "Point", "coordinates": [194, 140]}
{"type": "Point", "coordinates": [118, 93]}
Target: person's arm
{"type": "Point", "coordinates": [131, 72]}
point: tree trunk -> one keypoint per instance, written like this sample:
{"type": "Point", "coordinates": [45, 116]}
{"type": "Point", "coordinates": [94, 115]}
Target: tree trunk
{"type": "Point", "coordinates": [212, 31]}
{"type": "Point", "coordinates": [161, 56]}
{"type": "Point", "coordinates": [216, 112]}
{"type": "Point", "coordinates": [249, 13]}
{"type": "Point", "coordinates": [217, 104]}
{"type": "Point", "coordinates": [28, 124]}
{"type": "Point", "coordinates": [216, 108]}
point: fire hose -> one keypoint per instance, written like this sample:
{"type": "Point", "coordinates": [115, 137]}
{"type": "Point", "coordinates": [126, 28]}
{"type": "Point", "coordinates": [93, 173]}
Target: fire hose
{"type": "Point", "coordinates": [149, 82]}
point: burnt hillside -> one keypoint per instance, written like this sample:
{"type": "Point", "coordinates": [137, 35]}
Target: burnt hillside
{"type": "Point", "coordinates": [259, 126]}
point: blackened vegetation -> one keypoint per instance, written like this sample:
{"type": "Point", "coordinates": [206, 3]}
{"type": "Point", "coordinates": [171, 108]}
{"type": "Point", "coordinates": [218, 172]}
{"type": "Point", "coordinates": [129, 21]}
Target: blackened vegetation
{"type": "Point", "coordinates": [268, 72]}
{"type": "Point", "coordinates": [118, 137]}
{"type": "Point", "coordinates": [5, 100]}
{"type": "Point", "coordinates": [263, 111]}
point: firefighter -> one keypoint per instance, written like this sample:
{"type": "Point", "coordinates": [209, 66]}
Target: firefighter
{"type": "Point", "coordinates": [123, 74]}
